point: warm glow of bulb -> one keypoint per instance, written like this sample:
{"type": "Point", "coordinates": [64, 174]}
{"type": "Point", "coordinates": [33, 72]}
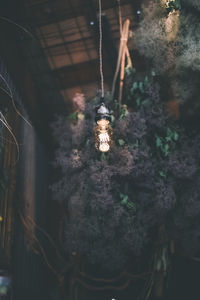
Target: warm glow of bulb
{"type": "Point", "coordinates": [104, 147]}
{"type": "Point", "coordinates": [103, 123]}
{"type": "Point", "coordinates": [102, 135]}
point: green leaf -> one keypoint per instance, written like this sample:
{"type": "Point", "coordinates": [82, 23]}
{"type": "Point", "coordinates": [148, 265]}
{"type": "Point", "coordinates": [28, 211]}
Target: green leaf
{"type": "Point", "coordinates": [121, 195]}
{"type": "Point", "coordinates": [129, 71]}
{"type": "Point", "coordinates": [121, 142]}
{"type": "Point", "coordinates": [153, 73]}
{"type": "Point", "coordinates": [138, 101]}
{"type": "Point", "coordinates": [103, 156]}
{"type": "Point", "coordinates": [141, 86]}
{"type": "Point", "coordinates": [131, 206]}
{"type": "Point", "coordinates": [162, 174]}
{"type": "Point", "coordinates": [134, 87]}
{"type": "Point", "coordinates": [73, 116]}
{"type": "Point", "coordinates": [124, 199]}
{"type": "Point", "coordinates": [145, 102]}
{"type": "Point", "coordinates": [158, 141]}
{"type": "Point", "coordinates": [112, 118]}
{"type": "Point", "coordinates": [168, 138]}
{"type": "Point", "coordinates": [146, 81]}
{"type": "Point", "coordinates": [166, 149]}
{"type": "Point", "coordinates": [123, 112]}
{"type": "Point", "coordinates": [169, 132]}
{"type": "Point", "coordinates": [176, 136]}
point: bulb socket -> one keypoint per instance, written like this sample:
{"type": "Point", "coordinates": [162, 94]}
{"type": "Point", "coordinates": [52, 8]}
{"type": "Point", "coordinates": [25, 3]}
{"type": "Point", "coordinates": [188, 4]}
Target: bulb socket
{"type": "Point", "coordinates": [102, 112]}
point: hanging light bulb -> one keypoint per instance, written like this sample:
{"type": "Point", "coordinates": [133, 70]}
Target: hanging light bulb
{"type": "Point", "coordinates": [103, 131]}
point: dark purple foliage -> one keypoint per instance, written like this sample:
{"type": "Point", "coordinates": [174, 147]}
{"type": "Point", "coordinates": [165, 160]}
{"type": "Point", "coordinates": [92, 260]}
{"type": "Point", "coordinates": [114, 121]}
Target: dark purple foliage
{"type": "Point", "coordinates": [157, 187]}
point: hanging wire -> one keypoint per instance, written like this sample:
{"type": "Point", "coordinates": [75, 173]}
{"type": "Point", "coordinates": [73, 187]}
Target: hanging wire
{"type": "Point", "coordinates": [10, 93]}
{"type": "Point", "coordinates": [18, 25]}
{"type": "Point", "coordinates": [100, 51]}
{"type": "Point", "coordinates": [5, 123]}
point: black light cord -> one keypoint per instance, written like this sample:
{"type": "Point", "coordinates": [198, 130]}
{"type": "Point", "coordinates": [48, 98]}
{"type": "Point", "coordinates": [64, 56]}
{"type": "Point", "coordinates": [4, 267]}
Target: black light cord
{"type": "Point", "coordinates": [100, 52]}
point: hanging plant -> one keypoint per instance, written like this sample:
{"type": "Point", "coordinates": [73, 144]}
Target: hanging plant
{"type": "Point", "coordinates": [116, 200]}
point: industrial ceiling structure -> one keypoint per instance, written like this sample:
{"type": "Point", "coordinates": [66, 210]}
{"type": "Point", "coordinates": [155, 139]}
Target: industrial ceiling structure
{"type": "Point", "coordinates": [63, 56]}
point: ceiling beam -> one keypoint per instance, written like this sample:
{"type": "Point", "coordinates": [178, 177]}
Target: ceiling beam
{"type": "Point", "coordinates": [46, 13]}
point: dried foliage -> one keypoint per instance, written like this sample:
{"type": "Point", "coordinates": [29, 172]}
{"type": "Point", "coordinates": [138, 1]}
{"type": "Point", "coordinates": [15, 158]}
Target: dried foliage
{"type": "Point", "coordinates": [155, 37]}
{"type": "Point", "coordinates": [190, 44]}
{"type": "Point", "coordinates": [115, 201]}
{"type": "Point", "coordinates": [168, 35]}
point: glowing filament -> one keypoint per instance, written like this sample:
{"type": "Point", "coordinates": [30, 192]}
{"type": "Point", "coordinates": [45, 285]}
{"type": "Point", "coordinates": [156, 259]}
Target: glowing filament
{"type": "Point", "coordinates": [102, 134]}
{"type": "Point", "coordinates": [104, 137]}
{"type": "Point", "coordinates": [104, 147]}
